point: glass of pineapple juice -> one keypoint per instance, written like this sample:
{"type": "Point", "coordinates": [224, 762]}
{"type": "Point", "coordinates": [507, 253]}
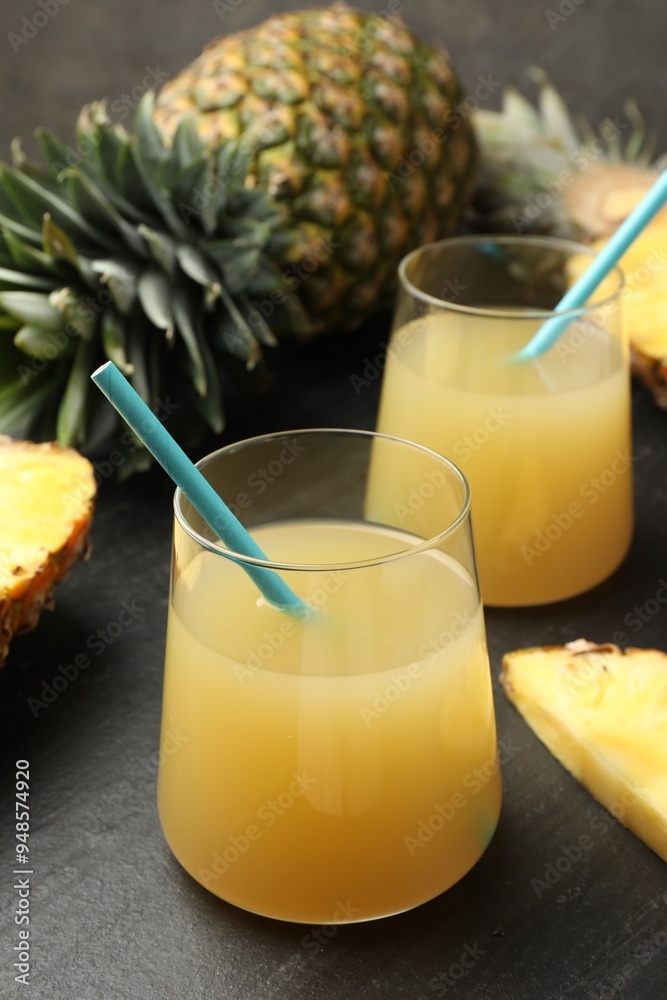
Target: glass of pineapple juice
{"type": "Point", "coordinates": [544, 444]}
{"type": "Point", "coordinates": [339, 765]}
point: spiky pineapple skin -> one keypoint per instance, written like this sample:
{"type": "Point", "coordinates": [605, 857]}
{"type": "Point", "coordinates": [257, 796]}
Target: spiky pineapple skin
{"type": "Point", "coordinates": [351, 124]}
{"type": "Point", "coordinates": [61, 515]}
{"type": "Point", "coordinates": [602, 712]}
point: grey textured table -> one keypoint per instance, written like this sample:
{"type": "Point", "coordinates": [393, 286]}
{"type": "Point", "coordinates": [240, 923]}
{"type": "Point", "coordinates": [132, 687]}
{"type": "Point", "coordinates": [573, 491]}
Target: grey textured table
{"type": "Point", "coordinates": [545, 915]}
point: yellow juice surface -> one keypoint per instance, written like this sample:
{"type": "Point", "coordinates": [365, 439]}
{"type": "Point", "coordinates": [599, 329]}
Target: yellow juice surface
{"type": "Point", "coordinates": [339, 768]}
{"type": "Point", "coordinates": [545, 446]}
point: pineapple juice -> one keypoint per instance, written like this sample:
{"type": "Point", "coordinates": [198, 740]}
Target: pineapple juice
{"type": "Point", "coordinates": [545, 445]}
{"type": "Point", "coordinates": [337, 768]}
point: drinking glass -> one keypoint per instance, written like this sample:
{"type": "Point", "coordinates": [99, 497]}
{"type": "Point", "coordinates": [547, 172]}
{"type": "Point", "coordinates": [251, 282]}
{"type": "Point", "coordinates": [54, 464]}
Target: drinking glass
{"type": "Point", "coordinates": [340, 764]}
{"type": "Point", "coordinates": [544, 444]}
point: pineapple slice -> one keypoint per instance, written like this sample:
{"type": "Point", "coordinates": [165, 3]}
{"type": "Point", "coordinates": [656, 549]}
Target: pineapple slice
{"type": "Point", "coordinates": [603, 713]}
{"type": "Point", "coordinates": [46, 505]}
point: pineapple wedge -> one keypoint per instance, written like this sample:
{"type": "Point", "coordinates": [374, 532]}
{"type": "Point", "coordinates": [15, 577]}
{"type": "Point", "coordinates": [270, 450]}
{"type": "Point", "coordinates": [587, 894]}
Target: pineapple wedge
{"type": "Point", "coordinates": [603, 713]}
{"type": "Point", "coordinates": [46, 505]}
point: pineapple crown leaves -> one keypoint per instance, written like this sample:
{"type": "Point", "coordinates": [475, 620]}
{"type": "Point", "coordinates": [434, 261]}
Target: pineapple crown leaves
{"type": "Point", "coordinates": [525, 149]}
{"type": "Point", "coordinates": [136, 252]}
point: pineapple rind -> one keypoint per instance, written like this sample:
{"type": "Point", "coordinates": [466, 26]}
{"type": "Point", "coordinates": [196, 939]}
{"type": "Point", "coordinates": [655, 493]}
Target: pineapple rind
{"type": "Point", "coordinates": [46, 502]}
{"type": "Point", "coordinates": [603, 714]}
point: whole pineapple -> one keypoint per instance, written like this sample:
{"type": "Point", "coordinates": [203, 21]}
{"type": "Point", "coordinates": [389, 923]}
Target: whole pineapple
{"type": "Point", "coordinates": [271, 188]}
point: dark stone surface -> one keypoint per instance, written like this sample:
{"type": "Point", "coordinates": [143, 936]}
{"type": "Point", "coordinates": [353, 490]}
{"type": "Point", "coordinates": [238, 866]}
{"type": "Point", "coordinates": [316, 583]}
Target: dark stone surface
{"type": "Point", "coordinates": [114, 916]}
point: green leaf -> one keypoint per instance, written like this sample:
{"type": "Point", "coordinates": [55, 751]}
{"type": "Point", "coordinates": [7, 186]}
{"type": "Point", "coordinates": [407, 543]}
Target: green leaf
{"type": "Point", "coordinates": [197, 267]}
{"type": "Point", "coordinates": [187, 144]}
{"type": "Point", "coordinates": [122, 281]}
{"type": "Point", "coordinates": [113, 340]}
{"type": "Point", "coordinates": [187, 326]}
{"type": "Point", "coordinates": [39, 343]}
{"type": "Point", "coordinates": [157, 195]}
{"type": "Point", "coordinates": [31, 168]}
{"type": "Point", "coordinates": [57, 155]}
{"type": "Point", "coordinates": [235, 339]}
{"type": "Point", "coordinates": [34, 200]}
{"type": "Point", "coordinates": [32, 308]}
{"type": "Point", "coordinates": [76, 312]}
{"type": "Point", "coordinates": [28, 258]}
{"type": "Point", "coordinates": [71, 421]}
{"type": "Point", "coordinates": [210, 404]}
{"type": "Point", "coordinates": [154, 292]}
{"type": "Point", "coordinates": [93, 203]}
{"type": "Point", "coordinates": [151, 146]}
{"type": "Point", "coordinates": [237, 261]}
{"type": "Point", "coordinates": [25, 233]}
{"type": "Point", "coordinates": [137, 358]}
{"type": "Point", "coordinates": [162, 248]}
{"type": "Point", "coordinates": [57, 243]}
{"type": "Point", "coordinates": [260, 328]}
{"type": "Point", "coordinates": [100, 141]}
{"type": "Point", "coordinates": [194, 190]}
{"type": "Point", "coordinates": [19, 280]}
{"type": "Point", "coordinates": [234, 162]}
{"type": "Point", "coordinates": [9, 324]}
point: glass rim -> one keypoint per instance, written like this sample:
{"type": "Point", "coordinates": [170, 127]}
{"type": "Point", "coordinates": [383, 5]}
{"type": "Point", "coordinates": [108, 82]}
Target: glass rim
{"type": "Point", "coordinates": [569, 247]}
{"type": "Point", "coordinates": [219, 549]}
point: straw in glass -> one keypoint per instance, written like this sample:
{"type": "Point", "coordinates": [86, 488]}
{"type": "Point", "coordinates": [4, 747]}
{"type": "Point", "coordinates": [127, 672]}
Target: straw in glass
{"type": "Point", "coordinates": [578, 295]}
{"type": "Point", "coordinates": [195, 487]}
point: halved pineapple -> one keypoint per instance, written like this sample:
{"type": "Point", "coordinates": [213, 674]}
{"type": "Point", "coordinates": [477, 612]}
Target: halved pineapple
{"type": "Point", "coordinates": [603, 713]}
{"type": "Point", "coordinates": [46, 506]}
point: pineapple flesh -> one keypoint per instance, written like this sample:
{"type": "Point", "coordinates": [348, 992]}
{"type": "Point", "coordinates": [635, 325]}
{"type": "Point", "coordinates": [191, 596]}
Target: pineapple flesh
{"type": "Point", "coordinates": [602, 712]}
{"type": "Point", "coordinates": [46, 506]}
